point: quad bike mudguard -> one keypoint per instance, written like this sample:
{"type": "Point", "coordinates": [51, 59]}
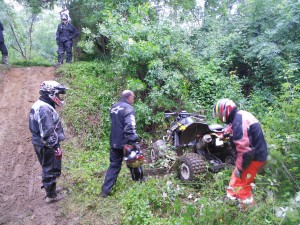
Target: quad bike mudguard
{"type": "Point", "coordinates": [192, 131]}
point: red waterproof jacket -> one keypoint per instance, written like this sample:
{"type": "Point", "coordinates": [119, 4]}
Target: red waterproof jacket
{"type": "Point", "coordinates": [247, 139]}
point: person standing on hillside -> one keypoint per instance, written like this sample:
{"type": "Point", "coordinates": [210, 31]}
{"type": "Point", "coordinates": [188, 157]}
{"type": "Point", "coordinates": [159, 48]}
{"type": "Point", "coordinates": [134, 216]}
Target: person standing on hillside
{"type": "Point", "coordinates": [65, 34]}
{"type": "Point", "coordinates": [123, 138]}
{"type": "Point", "coordinates": [247, 139]}
{"type": "Point", "coordinates": [47, 133]}
{"type": "Point", "coordinates": [3, 48]}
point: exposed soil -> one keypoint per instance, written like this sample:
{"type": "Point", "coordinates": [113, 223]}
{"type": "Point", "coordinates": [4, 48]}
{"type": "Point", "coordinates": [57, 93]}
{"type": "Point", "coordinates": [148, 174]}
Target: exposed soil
{"type": "Point", "coordinates": [21, 198]}
{"type": "Point", "coordinates": [22, 201]}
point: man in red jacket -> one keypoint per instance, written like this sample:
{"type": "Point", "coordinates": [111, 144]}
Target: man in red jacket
{"type": "Point", "coordinates": [247, 139]}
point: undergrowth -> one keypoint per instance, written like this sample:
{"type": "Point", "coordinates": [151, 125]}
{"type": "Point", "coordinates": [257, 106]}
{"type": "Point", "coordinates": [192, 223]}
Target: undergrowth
{"type": "Point", "coordinates": [163, 199]}
{"type": "Point", "coordinates": [32, 62]}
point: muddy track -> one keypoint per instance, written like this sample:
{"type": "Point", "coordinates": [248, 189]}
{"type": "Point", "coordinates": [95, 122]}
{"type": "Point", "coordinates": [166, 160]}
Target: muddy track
{"type": "Point", "coordinates": [21, 198]}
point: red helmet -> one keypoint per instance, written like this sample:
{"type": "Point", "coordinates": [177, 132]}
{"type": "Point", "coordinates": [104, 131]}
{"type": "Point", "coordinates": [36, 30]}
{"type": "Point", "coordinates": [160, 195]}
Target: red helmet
{"type": "Point", "coordinates": [223, 108]}
{"type": "Point", "coordinates": [133, 156]}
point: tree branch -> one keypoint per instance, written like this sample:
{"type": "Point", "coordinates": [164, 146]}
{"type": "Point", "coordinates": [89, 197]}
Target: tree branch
{"type": "Point", "coordinates": [15, 36]}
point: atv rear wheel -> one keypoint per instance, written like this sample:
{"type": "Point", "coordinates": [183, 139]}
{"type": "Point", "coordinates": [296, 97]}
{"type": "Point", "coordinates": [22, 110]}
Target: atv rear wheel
{"type": "Point", "coordinates": [191, 165]}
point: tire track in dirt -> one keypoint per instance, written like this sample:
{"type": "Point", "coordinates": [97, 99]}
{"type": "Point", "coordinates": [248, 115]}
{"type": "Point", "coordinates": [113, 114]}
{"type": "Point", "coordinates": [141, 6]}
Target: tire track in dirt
{"type": "Point", "coordinates": [21, 199]}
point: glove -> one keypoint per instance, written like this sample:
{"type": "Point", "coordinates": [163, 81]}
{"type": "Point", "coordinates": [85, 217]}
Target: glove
{"type": "Point", "coordinates": [238, 173]}
{"type": "Point", "coordinates": [224, 136]}
{"type": "Point", "coordinates": [58, 154]}
{"type": "Point", "coordinates": [127, 149]}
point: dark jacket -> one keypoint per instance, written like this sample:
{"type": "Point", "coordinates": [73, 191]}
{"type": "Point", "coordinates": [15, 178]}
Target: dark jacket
{"type": "Point", "coordinates": [66, 32]}
{"type": "Point", "coordinates": [247, 139]}
{"type": "Point", "coordinates": [1, 32]}
{"type": "Point", "coordinates": [123, 125]}
{"type": "Point", "coordinates": [45, 125]}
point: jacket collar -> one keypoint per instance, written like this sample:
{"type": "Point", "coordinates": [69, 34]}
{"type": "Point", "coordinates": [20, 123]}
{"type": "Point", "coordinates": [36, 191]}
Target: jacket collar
{"type": "Point", "coordinates": [232, 115]}
{"type": "Point", "coordinates": [47, 100]}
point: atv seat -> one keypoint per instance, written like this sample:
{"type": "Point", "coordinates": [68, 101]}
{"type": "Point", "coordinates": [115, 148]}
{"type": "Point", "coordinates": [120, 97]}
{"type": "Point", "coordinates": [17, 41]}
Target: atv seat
{"type": "Point", "coordinates": [216, 128]}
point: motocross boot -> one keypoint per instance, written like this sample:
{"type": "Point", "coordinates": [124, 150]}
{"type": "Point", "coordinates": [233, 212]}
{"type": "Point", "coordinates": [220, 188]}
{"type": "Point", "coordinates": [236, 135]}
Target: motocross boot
{"type": "Point", "coordinates": [55, 199]}
{"type": "Point", "coordinates": [54, 194]}
{"type": "Point", "coordinates": [4, 59]}
{"type": "Point", "coordinates": [51, 190]}
{"type": "Point", "coordinates": [60, 59]}
{"type": "Point", "coordinates": [69, 57]}
{"type": "Point", "coordinates": [230, 200]}
{"type": "Point", "coordinates": [59, 189]}
{"type": "Point", "coordinates": [103, 195]}
{"type": "Point", "coordinates": [246, 204]}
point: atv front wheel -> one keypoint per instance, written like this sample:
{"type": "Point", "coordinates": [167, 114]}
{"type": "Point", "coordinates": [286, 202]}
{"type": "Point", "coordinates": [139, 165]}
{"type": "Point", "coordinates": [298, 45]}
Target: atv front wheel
{"type": "Point", "coordinates": [153, 155]}
{"type": "Point", "coordinates": [191, 165]}
{"type": "Point", "coordinates": [230, 162]}
{"type": "Point", "coordinates": [158, 149]}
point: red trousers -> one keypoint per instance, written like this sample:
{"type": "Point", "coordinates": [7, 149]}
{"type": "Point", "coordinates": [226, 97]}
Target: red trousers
{"type": "Point", "coordinates": [241, 188]}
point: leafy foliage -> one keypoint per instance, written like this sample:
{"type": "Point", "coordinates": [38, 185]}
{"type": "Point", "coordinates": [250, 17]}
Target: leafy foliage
{"type": "Point", "coordinates": [282, 125]}
{"type": "Point", "coordinates": [29, 36]}
{"type": "Point", "coordinates": [253, 45]}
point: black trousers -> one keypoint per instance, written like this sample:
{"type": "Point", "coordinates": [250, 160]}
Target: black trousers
{"type": "Point", "coordinates": [65, 47]}
{"type": "Point", "coordinates": [51, 169]}
{"type": "Point", "coordinates": [3, 49]}
{"type": "Point", "coordinates": [116, 159]}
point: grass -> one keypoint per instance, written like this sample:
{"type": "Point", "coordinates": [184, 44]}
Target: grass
{"type": "Point", "coordinates": [164, 199]}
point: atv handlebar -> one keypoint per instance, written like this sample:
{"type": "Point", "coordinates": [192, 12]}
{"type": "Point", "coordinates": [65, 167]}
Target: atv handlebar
{"type": "Point", "coordinates": [169, 114]}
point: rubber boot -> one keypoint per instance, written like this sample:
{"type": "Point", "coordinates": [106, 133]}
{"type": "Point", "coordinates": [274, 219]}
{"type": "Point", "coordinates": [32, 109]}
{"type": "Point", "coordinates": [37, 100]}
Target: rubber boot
{"type": "Point", "coordinates": [60, 60]}
{"type": "Point", "coordinates": [69, 58]}
{"type": "Point", "coordinates": [51, 190]}
{"type": "Point", "coordinates": [5, 59]}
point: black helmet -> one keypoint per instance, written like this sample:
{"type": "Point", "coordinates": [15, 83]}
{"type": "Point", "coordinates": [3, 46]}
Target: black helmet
{"type": "Point", "coordinates": [53, 90]}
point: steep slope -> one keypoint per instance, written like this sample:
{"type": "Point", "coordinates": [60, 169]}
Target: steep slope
{"type": "Point", "coordinates": [21, 198]}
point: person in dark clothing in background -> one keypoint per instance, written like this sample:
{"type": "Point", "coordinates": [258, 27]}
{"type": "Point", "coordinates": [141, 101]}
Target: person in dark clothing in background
{"type": "Point", "coordinates": [65, 34]}
{"type": "Point", "coordinates": [123, 133]}
{"type": "Point", "coordinates": [247, 139]}
{"type": "Point", "coordinates": [47, 133]}
{"type": "Point", "coordinates": [3, 48]}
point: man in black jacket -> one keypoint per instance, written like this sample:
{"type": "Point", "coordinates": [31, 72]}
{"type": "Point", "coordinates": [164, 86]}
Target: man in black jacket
{"type": "Point", "coordinates": [65, 34]}
{"type": "Point", "coordinates": [3, 48]}
{"type": "Point", "coordinates": [47, 133]}
{"type": "Point", "coordinates": [123, 132]}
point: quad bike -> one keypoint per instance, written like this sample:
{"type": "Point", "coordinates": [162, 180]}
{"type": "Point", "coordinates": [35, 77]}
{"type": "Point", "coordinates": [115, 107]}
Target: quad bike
{"type": "Point", "coordinates": [206, 148]}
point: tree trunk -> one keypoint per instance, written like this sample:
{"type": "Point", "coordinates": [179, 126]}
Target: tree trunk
{"type": "Point", "coordinates": [19, 48]}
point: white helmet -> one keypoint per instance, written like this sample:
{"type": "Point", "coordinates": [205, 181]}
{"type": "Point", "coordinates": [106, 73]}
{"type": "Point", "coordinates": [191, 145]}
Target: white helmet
{"type": "Point", "coordinates": [53, 90]}
{"type": "Point", "coordinates": [64, 18]}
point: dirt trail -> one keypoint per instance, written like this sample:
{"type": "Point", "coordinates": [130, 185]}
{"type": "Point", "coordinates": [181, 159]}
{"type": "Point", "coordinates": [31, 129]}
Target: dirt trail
{"type": "Point", "coordinates": [21, 199]}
